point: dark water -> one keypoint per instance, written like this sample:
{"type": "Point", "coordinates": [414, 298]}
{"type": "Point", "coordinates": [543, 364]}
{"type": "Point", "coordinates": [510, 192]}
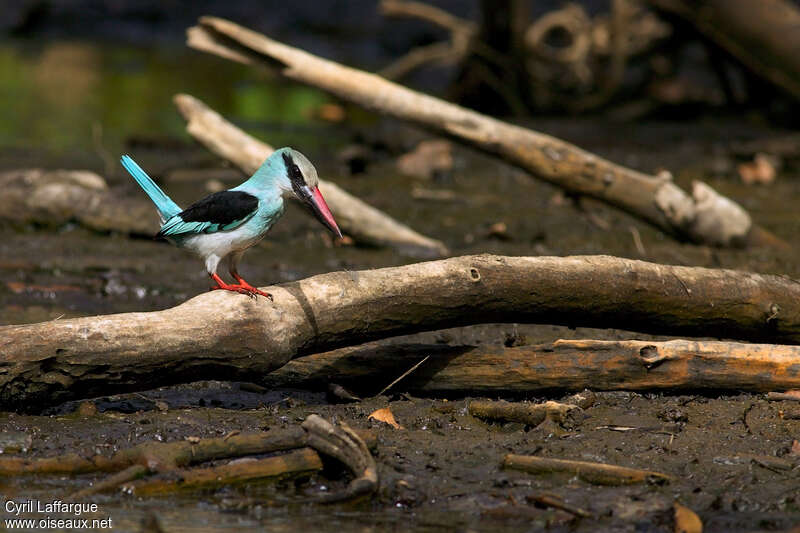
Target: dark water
{"type": "Point", "coordinates": [72, 98]}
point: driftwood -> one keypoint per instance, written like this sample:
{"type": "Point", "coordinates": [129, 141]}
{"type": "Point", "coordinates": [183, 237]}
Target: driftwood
{"type": "Point", "coordinates": [167, 461]}
{"type": "Point", "coordinates": [596, 473]}
{"type": "Point", "coordinates": [703, 217]}
{"type": "Point", "coordinates": [159, 456]}
{"type": "Point", "coordinates": [562, 365]}
{"type": "Point", "coordinates": [359, 220]}
{"type": "Point", "coordinates": [296, 462]}
{"type": "Point", "coordinates": [226, 336]}
{"type": "Point", "coordinates": [55, 197]}
{"type": "Point", "coordinates": [525, 413]}
{"type": "Point", "coordinates": [550, 500]}
{"type": "Point", "coordinates": [347, 446]}
{"type": "Point", "coordinates": [790, 396]}
{"type": "Point", "coordinates": [762, 35]}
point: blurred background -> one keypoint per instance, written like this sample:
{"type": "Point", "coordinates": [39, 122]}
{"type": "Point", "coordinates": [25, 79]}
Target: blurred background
{"type": "Point", "coordinates": [80, 74]}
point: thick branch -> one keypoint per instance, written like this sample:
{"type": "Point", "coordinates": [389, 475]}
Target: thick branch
{"type": "Point", "coordinates": [363, 222]}
{"type": "Point", "coordinates": [224, 335]}
{"type": "Point", "coordinates": [563, 365]}
{"type": "Point", "coordinates": [654, 199]}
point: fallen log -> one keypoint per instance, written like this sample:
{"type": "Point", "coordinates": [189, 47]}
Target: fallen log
{"type": "Point", "coordinates": [703, 217]}
{"type": "Point", "coordinates": [361, 221]}
{"type": "Point", "coordinates": [762, 35]}
{"type": "Point", "coordinates": [55, 197]}
{"type": "Point", "coordinates": [226, 336]}
{"type": "Point", "coordinates": [562, 365]}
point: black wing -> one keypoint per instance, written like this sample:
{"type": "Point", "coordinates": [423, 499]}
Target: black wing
{"type": "Point", "coordinates": [220, 211]}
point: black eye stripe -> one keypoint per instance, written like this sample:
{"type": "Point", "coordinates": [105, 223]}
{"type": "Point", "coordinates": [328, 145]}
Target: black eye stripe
{"type": "Point", "coordinates": [294, 173]}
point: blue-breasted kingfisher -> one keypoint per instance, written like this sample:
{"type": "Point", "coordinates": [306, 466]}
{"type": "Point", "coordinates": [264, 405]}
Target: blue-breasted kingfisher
{"type": "Point", "coordinates": [227, 223]}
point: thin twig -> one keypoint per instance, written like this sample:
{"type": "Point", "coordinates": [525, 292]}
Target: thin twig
{"type": "Point", "coordinates": [637, 240]}
{"type": "Point", "coordinates": [407, 372]}
{"type": "Point", "coordinates": [555, 502]}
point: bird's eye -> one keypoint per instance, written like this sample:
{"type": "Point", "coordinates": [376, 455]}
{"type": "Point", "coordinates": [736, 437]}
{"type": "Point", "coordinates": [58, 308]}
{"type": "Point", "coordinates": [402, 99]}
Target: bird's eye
{"type": "Point", "coordinates": [295, 174]}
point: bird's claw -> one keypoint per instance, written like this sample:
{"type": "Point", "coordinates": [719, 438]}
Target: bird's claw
{"type": "Point", "coordinates": [247, 290]}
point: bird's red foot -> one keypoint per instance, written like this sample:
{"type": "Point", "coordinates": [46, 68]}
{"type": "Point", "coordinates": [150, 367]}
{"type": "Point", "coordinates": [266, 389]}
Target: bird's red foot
{"type": "Point", "coordinates": [242, 288]}
{"type": "Point", "coordinates": [248, 287]}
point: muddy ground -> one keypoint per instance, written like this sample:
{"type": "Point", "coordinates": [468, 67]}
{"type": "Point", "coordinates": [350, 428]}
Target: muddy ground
{"type": "Point", "coordinates": [441, 472]}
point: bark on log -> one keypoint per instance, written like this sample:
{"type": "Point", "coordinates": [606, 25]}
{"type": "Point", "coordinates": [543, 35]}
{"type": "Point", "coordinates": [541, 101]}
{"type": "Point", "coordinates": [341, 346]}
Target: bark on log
{"type": "Point", "coordinates": [55, 197]}
{"type": "Point", "coordinates": [361, 221]}
{"type": "Point", "coordinates": [227, 336]}
{"type": "Point", "coordinates": [762, 35]}
{"type": "Point", "coordinates": [701, 217]}
{"type": "Point", "coordinates": [562, 365]}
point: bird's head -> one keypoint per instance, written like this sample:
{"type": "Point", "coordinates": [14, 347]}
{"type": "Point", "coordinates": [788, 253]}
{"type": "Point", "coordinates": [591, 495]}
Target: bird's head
{"type": "Point", "coordinates": [300, 178]}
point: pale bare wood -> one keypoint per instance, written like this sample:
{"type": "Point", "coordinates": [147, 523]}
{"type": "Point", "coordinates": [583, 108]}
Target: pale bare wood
{"type": "Point", "coordinates": [228, 336]}
{"type": "Point", "coordinates": [704, 216]}
{"type": "Point", "coordinates": [356, 218]}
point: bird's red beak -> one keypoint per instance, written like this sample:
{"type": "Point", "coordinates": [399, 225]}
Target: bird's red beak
{"type": "Point", "coordinates": [322, 212]}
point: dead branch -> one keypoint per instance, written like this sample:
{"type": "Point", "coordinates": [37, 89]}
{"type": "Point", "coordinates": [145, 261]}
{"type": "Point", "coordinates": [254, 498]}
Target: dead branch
{"type": "Point", "coordinates": [225, 336]}
{"type": "Point", "coordinates": [596, 473]}
{"type": "Point", "coordinates": [55, 197]}
{"type": "Point", "coordinates": [363, 222]}
{"type": "Point", "coordinates": [763, 36]}
{"type": "Point", "coordinates": [165, 460]}
{"type": "Point", "coordinates": [604, 365]}
{"type": "Point", "coordinates": [159, 456]}
{"type": "Point", "coordinates": [420, 10]}
{"type": "Point", "coordinates": [344, 444]}
{"type": "Point", "coordinates": [461, 31]}
{"type": "Point", "coordinates": [110, 483]}
{"type": "Point", "coordinates": [289, 464]}
{"type": "Point", "coordinates": [550, 500]}
{"type": "Point", "coordinates": [526, 413]}
{"type": "Point", "coordinates": [704, 216]}
{"type": "Point", "coordinates": [790, 396]}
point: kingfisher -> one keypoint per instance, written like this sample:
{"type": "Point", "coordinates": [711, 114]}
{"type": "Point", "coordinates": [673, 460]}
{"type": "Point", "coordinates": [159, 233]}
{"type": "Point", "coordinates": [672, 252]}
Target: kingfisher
{"type": "Point", "coordinates": [226, 223]}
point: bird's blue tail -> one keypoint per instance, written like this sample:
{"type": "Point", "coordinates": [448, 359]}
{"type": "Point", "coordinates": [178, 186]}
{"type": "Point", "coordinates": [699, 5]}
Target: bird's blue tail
{"type": "Point", "coordinates": [166, 207]}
